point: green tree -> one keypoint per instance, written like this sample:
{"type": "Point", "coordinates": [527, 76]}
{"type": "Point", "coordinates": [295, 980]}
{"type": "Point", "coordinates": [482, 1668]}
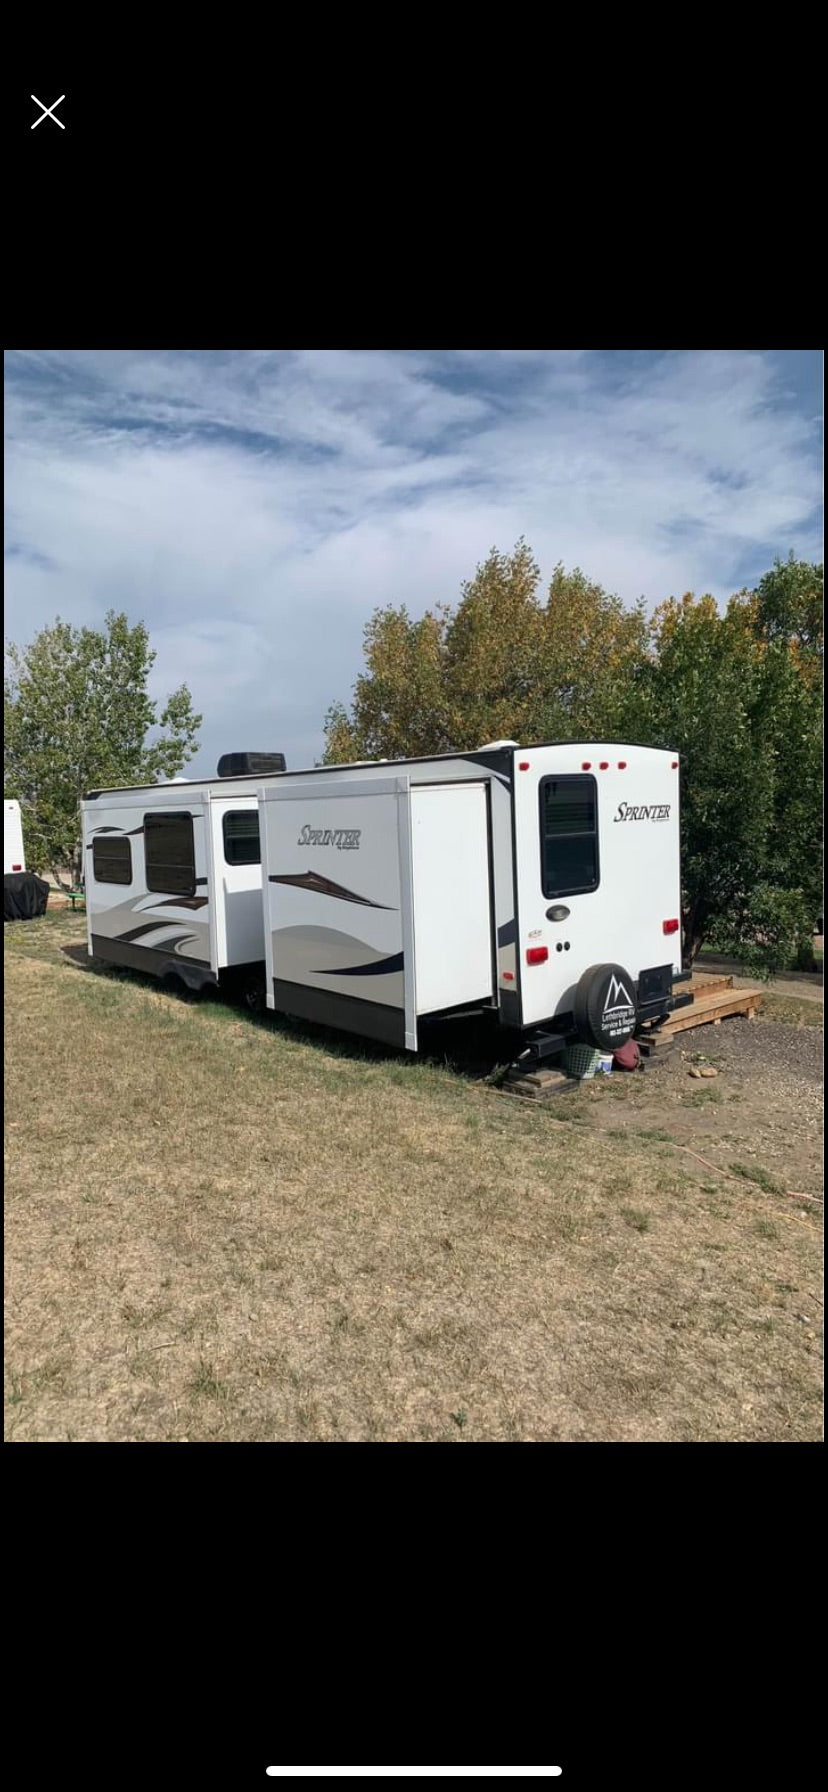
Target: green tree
{"type": "Point", "coordinates": [78, 713]}
{"type": "Point", "coordinates": [508, 661]}
{"type": "Point", "coordinates": [740, 696]}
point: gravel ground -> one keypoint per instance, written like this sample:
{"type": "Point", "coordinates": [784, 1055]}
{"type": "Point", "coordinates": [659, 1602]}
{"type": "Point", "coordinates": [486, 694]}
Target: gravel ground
{"type": "Point", "coordinates": [768, 1046]}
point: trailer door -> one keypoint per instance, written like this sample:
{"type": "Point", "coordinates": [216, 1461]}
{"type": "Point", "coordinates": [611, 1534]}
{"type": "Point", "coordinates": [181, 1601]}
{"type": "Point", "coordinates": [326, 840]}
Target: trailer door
{"type": "Point", "coordinates": [337, 882]}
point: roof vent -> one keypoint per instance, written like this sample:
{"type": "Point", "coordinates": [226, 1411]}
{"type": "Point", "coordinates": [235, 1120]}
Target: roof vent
{"type": "Point", "coordinates": [250, 765]}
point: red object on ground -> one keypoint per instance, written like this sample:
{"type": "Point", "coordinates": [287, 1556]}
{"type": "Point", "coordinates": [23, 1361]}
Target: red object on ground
{"type": "Point", "coordinates": [627, 1057]}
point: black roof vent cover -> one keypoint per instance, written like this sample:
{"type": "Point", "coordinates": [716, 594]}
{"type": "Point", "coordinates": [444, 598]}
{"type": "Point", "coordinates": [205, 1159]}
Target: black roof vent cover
{"type": "Point", "coordinates": [250, 765]}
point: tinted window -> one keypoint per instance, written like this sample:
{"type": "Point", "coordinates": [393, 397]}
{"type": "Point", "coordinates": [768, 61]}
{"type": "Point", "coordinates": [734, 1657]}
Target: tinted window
{"type": "Point", "coordinates": [111, 860]}
{"type": "Point", "coordinates": [241, 837]}
{"type": "Point", "coordinates": [169, 850]}
{"type": "Point", "coordinates": [569, 835]}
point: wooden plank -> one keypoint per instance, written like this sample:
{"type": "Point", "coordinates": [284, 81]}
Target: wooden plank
{"type": "Point", "coordinates": [713, 1008]}
{"type": "Point", "coordinates": [708, 986]}
{"type": "Point", "coordinates": [721, 997]}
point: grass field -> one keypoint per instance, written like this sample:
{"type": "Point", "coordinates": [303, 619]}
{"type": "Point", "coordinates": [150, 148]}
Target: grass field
{"type": "Point", "coordinates": [224, 1230]}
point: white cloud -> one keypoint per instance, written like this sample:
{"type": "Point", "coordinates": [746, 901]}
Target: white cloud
{"type": "Point", "coordinates": [253, 508]}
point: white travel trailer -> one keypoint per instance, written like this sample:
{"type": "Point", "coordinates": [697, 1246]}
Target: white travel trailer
{"type": "Point", "coordinates": [14, 858]}
{"type": "Point", "coordinates": [173, 876]}
{"type": "Point", "coordinates": [540, 884]}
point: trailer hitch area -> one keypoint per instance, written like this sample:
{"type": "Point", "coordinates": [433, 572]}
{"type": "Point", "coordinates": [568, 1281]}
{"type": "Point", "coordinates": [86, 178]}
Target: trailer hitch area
{"type": "Point", "coordinates": [542, 1045]}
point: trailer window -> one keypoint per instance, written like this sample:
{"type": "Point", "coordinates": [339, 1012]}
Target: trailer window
{"type": "Point", "coordinates": [569, 835]}
{"type": "Point", "coordinates": [111, 860]}
{"type": "Point", "coordinates": [241, 837]}
{"type": "Point", "coordinates": [169, 851]}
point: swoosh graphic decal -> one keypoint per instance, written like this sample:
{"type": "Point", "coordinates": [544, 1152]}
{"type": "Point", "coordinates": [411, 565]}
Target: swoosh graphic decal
{"type": "Point", "coordinates": [138, 933]}
{"type": "Point", "coordinates": [313, 880]}
{"type": "Point", "coordinates": [381, 968]}
{"type": "Point", "coordinates": [181, 902]}
{"type": "Point", "coordinates": [507, 934]}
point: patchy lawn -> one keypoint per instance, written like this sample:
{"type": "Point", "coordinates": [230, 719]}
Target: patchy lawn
{"type": "Point", "coordinates": [223, 1230]}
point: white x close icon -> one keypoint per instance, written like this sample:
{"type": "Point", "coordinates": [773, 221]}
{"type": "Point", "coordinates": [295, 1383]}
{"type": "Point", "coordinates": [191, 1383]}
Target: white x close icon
{"type": "Point", "coordinates": [47, 112]}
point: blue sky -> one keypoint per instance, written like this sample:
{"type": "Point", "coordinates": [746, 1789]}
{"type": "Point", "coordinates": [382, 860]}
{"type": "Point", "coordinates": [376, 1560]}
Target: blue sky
{"type": "Point", "coordinates": [253, 507]}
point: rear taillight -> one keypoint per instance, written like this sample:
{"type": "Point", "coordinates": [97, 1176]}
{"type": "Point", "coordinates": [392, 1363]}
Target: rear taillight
{"type": "Point", "coordinates": [537, 954]}
{"type": "Point", "coordinates": [17, 867]}
{"type": "Point", "coordinates": [670, 926]}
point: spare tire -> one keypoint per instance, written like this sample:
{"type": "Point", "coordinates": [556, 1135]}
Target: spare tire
{"type": "Point", "coordinates": [605, 1011]}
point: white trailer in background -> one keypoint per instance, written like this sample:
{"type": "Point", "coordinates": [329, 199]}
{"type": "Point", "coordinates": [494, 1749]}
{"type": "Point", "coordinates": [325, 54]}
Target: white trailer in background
{"type": "Point", "coordinates": [14, 858]}
{"type": "Point", "coordinates": [540, 883]}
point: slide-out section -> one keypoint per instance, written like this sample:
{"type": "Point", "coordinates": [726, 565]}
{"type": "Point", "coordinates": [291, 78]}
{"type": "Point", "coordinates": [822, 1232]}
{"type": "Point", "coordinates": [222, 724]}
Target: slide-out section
{"type": "Point", "coordinates": [378, 902]}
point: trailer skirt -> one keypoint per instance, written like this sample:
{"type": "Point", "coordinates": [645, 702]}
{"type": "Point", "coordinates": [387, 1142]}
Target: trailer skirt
{"type": "Point", "coordinates": [153, 962]}
{"type": "Point", "coordinates": [374, 1020]}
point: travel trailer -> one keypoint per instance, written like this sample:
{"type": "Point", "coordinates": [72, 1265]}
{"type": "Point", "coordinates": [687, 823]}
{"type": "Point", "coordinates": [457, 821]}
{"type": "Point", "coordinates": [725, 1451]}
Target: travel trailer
{"type": "Point", "coordinates": [540, 884]}
{"type": "Point", "coordinates": [14, 858]}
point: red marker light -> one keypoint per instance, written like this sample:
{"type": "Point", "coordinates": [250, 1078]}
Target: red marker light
{"type": "Point", "coordinates": [524, 765]}
{"type": "Point", "coordinates": [17, 867]}
{"type": "Point", "coordinates": [604, 765]}
{"type": "Point", "coordinates": [622, 765]}
{"type": "Point", "coordinates": [586, 765]}
{"type": "Point", "coordinates": [508, 976]}
{"type": "Point", "coordinates": [537, 954]}
{"type": "Point", "coordinates": [669, 926]}
{"type": "Point", "coordinates": [674, 765]}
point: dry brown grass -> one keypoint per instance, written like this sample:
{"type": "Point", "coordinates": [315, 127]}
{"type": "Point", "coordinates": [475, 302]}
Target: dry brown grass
{"type": "Point", "coordinates": [224, 1231]}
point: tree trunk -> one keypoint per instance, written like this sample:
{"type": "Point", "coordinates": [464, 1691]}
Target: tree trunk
{"type": "Point", "coordinates": [693, 931]}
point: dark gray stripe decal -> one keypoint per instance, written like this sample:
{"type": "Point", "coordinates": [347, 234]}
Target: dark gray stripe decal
{"type": "Point", "coordinates": [507, 934]}
{"type": "Point", "coordinates": [312, 880]}
{"type": "Point", "coordinates": [381, 968]}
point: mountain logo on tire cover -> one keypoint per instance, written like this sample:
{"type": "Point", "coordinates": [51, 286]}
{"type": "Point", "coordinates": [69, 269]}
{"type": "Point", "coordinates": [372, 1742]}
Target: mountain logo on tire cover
{"type": "Point", "coordinates": [618, 1000]}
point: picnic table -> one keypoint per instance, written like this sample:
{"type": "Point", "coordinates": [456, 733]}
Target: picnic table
{"type": "Point", "coordinates": [76, 896]}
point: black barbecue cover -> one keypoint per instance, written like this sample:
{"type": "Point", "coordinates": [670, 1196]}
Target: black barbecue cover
{"type": "Point", "coordinates": [24, 896]}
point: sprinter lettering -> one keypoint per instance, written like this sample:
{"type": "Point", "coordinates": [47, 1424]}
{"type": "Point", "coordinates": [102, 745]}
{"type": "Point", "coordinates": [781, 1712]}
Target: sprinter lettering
{"type": "Point", "coordinates": [642, 812]}
{"type": "Point", "coordinates": [344, 839]}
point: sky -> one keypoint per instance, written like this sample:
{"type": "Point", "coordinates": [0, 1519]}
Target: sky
{"type": "Point", "coordinates": [253, 507]}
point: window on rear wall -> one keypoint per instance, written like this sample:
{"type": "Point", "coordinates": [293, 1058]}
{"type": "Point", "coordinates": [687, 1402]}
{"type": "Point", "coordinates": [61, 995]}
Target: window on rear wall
{"type": "Point", "coordinates": [241, 837]}
{"type": "Point", "coordinates": [111, 860]}
{"type": "Point", "coordinates": [569, 835]}
{"type": "Point", "coordinates": [169, 854]}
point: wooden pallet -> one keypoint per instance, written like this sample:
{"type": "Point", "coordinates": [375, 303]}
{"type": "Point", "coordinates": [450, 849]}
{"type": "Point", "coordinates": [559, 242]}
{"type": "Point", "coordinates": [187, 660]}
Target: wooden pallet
{"type": "Point", "coordinates": [712, 1005]}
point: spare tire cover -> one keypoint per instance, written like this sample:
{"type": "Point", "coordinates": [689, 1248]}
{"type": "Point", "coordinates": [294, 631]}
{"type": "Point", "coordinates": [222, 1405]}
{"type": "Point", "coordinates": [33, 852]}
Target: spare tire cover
{"type": "Point", "coordinates": [605, 1012]}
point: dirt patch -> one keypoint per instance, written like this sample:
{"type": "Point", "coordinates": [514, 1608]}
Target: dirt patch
{"type": "Point", "coordinates": [224, 1230]}
{"type": "Point", "coordinates": [764, 1106]}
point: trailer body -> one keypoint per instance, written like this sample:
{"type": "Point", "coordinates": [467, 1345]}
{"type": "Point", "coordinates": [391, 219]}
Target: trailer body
{"type": "Point", "coordinates": [540, 884]}
{"type": "Point", "coordinates": [14, 858]}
